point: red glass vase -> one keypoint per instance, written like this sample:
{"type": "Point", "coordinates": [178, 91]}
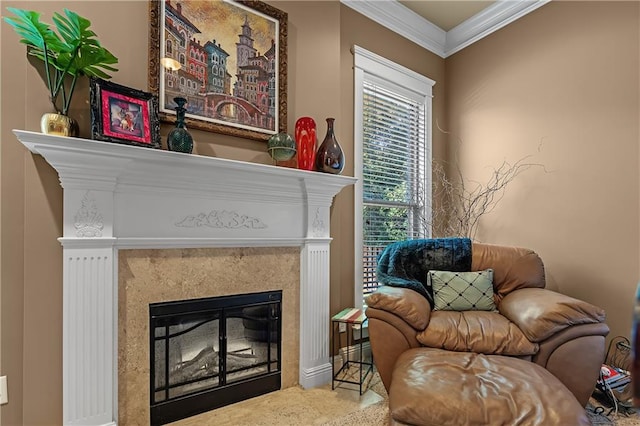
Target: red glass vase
{"type": "Point", "coordinates": [305, 135]}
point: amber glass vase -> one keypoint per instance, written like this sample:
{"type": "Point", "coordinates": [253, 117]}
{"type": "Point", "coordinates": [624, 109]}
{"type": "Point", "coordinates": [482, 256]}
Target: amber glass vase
{"type": "Point", "coordinates": [330, 157]}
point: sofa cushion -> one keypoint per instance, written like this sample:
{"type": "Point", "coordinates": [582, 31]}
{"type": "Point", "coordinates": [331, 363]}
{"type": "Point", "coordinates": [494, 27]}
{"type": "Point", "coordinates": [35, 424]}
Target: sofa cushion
{"type": "Point", "coordinates": [462, 291]}
{"type": "Point", "coordinates": [475, 331]}
{"type": "Point", "coordinates": [541, 313]}
{"type": "Point", "coordinates": [434, 387]}
{"type": "Point", "coordinates": [513, 267]}
{"type": "Point", "coordinates": [403, 302]}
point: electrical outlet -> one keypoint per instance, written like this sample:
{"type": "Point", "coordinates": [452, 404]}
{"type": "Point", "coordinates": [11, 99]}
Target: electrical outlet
{"type": "Point", "coordinates": [342, 327]}
{"type": "Point", "coordinates": [4, 396]}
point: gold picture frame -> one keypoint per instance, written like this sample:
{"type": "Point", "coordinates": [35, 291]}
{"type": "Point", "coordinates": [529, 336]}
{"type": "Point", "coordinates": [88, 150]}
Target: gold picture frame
{"type": "Point", "coordinates": [227, 58]}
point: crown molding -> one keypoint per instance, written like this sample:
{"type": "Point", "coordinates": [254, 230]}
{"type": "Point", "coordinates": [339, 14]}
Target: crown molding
{"type": "Point", "coordinates": [403, 21]}
{"type": "Point", "coordinates": [487, 21]}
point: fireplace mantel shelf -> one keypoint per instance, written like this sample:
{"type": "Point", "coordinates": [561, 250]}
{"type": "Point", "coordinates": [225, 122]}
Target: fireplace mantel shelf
{"type": "Point", "coordinates": [110, 166]}
{"type": "Point", "coordinates": [145, 197]}
{"type": "Point", "coordinates": [123, 197]}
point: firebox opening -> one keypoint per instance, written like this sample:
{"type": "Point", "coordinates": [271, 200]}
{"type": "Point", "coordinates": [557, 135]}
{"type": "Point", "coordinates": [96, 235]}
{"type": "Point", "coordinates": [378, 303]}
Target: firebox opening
{"type": "Point", "coordinates": [208, 353]}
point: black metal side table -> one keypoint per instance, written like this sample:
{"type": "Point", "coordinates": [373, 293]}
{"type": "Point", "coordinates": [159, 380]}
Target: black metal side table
{"type": "Point", "coordinates": [347, 321]}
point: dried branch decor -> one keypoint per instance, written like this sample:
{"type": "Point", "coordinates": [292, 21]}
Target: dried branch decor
{"type": "Point", "coordinates": [459, 203]}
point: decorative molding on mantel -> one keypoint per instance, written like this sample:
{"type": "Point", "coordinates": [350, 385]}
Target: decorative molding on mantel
{"type": "Point", "coordinates": [88, 164]}
{"type": "Point", "coordinates": [126, 197]}
{"type": "Point", "coordinates": [403, 21]}
{"type": "Point", "coordinates": [123, 191]}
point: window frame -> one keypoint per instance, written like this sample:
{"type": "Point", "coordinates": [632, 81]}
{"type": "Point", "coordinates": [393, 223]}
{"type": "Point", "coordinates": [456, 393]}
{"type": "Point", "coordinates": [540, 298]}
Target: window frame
{"type": "Point", "coordinates": [371, 67]}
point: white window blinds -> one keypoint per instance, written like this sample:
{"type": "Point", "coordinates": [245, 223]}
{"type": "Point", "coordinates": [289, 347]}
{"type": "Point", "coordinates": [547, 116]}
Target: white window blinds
{"type": "Point", "coordinates": [394, 171]}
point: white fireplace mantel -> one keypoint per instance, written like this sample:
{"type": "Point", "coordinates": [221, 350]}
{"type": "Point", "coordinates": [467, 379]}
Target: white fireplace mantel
{"type": "Point", "coordinates": [120, 196]}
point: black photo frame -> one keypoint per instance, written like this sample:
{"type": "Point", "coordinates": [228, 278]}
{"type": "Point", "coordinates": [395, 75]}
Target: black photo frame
{"type": "Point", "coordinates": [124, 115]}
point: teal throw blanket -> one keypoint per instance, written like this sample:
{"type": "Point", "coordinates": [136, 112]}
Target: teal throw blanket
{"type": "Point", "coordinates": [406, 263]}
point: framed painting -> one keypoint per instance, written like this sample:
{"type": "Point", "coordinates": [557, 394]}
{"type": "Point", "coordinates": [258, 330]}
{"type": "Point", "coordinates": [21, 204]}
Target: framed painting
{"type": "Point", "coordinates": [228, 59]}
{"type": "Point", "coordinates": [123, 115]}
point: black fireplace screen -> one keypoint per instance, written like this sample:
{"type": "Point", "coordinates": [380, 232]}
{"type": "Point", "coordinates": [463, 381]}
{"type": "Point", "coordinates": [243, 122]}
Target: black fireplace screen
{"type": "Point", "coordinates": [207, 353]}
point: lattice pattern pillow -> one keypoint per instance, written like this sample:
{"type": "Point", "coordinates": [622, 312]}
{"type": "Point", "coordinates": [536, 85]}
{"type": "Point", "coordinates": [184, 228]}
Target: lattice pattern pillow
{"type": "Point", "coordinates": [462, 291]}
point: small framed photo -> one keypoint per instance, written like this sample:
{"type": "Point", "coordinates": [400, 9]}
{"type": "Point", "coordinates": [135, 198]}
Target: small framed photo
{"type": "Point", "coordinates": [123, 115]}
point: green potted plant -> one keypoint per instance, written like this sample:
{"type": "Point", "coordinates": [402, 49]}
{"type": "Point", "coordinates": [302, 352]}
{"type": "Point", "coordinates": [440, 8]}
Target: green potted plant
{"type": "Point", "coordinates": [71, 53]}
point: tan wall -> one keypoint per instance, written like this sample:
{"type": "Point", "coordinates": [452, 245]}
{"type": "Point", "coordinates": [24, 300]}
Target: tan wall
{"type": "Point", "coordinates": [564, 77]}
{"type": "Point", "coordinates": [12, 106]}
{"type": "Point", "coordinates": [320, 85]}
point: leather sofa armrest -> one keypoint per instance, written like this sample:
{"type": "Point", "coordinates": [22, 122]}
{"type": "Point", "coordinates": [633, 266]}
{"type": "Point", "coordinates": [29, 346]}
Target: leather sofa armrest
{"type": "Point", "coordinates": [409, 305]}
{"type": "Point", "coordinates": [541, 313]}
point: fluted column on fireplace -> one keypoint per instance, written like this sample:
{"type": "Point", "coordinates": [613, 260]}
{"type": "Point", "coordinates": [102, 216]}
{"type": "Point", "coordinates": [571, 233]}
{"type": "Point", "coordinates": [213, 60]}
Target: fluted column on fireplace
{"type": "Point", "coordinates": [119, 196]}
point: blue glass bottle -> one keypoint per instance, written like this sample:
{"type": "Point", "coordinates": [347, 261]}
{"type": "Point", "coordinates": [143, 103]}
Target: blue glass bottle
{"type": "Point", "coordinates": [179, 139]}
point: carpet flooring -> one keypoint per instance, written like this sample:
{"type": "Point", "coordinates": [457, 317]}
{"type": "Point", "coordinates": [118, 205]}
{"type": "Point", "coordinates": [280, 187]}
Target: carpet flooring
{"type": "Point", "coordinates": [343, 406]}
{"type": "Point", "coordinates": [298, 407]}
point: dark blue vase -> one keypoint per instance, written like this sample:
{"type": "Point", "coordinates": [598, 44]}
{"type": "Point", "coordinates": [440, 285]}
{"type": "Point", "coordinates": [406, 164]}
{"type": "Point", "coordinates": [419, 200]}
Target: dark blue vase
{"type": "Point", "coordinates": [330, 157]}
{"type": "Point", "coordinates": [179, 139]}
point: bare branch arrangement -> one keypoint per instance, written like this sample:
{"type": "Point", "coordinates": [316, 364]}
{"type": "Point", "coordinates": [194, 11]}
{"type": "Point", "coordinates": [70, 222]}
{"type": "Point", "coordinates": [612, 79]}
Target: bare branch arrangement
{"type": "Point", "coordinates": [459, 203]}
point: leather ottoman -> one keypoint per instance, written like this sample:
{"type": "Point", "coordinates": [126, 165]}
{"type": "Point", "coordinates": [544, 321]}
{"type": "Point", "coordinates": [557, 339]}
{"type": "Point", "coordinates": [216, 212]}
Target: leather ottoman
{"type": "Point", "coordinates": [437, 387]}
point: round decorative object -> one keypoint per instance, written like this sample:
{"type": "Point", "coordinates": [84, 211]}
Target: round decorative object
{"type": "Point", "coordinates": [330, 157]}
{"type": "Point", "coordinates": [58, 125]}
{"type": "Point", "coordinates": [179, 139]}
{"type": "Point", "coordinates": [281, 147]}
{"type": "Point", "coordinates": [306, 142]}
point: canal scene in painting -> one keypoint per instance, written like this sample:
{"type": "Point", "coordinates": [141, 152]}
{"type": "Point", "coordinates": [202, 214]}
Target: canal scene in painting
{"type": "Point", "coordinates": [228, 65]}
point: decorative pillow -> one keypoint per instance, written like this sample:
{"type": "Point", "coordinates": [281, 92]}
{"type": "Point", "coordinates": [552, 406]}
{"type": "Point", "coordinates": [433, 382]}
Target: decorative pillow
{"type": "Point", "coordinates": [462, 291]}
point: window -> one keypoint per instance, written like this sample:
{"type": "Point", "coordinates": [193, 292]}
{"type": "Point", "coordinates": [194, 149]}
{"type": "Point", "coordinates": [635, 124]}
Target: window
{"type": "Point", "coordinates": [393, 160]}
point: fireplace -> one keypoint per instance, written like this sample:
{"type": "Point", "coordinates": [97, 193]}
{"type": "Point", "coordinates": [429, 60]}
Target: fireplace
{"type": "Point", "coordinates": [120, 198]}
{"type": "Point", "coordinates": [207, 353]}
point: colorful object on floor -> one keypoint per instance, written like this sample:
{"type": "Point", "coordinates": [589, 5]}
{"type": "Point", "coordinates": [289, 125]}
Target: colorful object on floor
{"type": "Point", "coordinates": [305, 135]}
{"type": "Point", "coordinates": [281, 147]}
{"type": "Point", "coordinates": [330, 157]}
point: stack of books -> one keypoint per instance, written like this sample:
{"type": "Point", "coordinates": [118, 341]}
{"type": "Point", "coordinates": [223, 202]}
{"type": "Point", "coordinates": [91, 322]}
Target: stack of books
{"type": "Point", "coordinates": [613, 378]}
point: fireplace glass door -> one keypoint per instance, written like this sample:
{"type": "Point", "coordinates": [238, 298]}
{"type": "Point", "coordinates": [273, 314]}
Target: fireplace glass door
{"type": "Point", "coordinates": [207, 353]}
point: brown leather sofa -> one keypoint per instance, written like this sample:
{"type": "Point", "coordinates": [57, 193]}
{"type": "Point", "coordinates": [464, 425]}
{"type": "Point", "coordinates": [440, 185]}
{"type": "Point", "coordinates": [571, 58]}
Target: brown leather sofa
{"type": "Point", "coordinates": [564, 335]}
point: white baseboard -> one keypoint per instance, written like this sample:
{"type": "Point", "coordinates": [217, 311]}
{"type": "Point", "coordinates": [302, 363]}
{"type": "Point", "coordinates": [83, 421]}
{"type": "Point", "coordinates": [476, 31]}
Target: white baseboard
{"type": "Point", "coordinates": [315, 376]}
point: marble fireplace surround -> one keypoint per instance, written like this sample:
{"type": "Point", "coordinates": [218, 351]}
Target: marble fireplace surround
{"type": "Point", "coordinates": [121, 197]}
